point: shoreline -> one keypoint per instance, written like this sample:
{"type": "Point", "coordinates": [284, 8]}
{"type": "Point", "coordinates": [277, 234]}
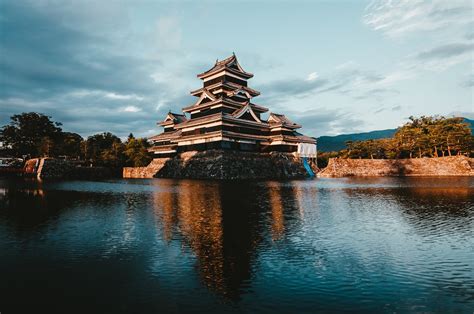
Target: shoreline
{"type": "Point", "coordinates": [225, 165]}
{"type": "Point", "coordinates": [450, 166]}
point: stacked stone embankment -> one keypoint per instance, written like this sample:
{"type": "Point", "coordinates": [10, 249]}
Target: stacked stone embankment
{"type": "Point", "coordinates": [145, 172]}
{"type": "Point", "coordinates": [442, 166]}
{"type": "Point", "coordinates": [222, 165]}
{"type": "Point", "coordinates": [49, 168]}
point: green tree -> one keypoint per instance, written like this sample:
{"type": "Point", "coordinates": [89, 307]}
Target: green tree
{"type": "Point", "coordinates": [113, 156]}
{"type": "Point", "coordinates": [420, 137]}
{"type": "Point", "coordinates": [70, 145]}
{"type": "Point", "coordinates": [45, 147]}
{"type": "Point", "coordinates": [27, 132]}
{"type": "Point", "coordinates": [136, 152]}
{"type": "Point", "coordinates": [103, 149]}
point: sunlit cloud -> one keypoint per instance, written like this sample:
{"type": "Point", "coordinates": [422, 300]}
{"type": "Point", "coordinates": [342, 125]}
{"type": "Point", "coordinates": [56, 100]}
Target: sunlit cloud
{"type": "Point", "coordinates": [130, 109]}
{"type": "Point", "coordinates": [312, 76]}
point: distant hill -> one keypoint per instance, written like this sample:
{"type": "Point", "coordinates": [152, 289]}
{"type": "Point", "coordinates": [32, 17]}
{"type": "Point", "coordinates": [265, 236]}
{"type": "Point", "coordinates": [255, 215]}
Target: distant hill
{"type": "Point", "coordinates": [471, 122]}
{"type": "Point", "coordinates": [335, 143]}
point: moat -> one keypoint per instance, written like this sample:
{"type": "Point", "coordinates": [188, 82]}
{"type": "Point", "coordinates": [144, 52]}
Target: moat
{"type": "Point", "coordinates": [179, 246]}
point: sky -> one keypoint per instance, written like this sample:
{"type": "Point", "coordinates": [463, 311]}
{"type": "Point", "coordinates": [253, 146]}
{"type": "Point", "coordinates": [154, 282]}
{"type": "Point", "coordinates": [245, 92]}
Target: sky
{"type": "Point", "coordinates": [333, 66]}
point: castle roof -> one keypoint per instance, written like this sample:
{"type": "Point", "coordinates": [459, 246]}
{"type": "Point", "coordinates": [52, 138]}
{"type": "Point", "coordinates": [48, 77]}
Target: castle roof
{"type": "Point", "coordinates": [276, 119]}
{"type": "Point", "coordinates": [173, 118]}
{"type": "Point", "coordinates": [165, 136]}
{"type": "Point", "coordinates": [247, 108]}
{"type": "Point", "coordinates": [230, 85]}
{"type": "Point", "coordinates": [230, 64]}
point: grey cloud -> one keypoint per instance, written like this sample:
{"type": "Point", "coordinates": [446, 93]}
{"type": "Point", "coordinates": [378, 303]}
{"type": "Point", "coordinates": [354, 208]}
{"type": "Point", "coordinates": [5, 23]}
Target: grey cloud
{"type": "Point", "coordinates": [89, 116]}
{"type": "Point", "coordinates": [449, 12]}
{"type": "Point", "coordinates": [46, 57]}
{"type": "Point", "coordinates": [377, 93]}
{"type": "Point", "coordinates": [445, 51]}
{"type": "Point", "coordinates": [349, 80]}
{"type": "Point", "coordinates": [469, 35]}
{"type": "Point", "coordinates": [292, 87]}
{"type": "Point", "coordinates": [60, 63]}
{"type": "Point", "coordinates": [317, 122]}
{"type": "Point", "coordinates": [469, 82]}
{"type": "Point", "coordinates": [396, 18]}
{"type": "Point", "coordinates": [385, 108]}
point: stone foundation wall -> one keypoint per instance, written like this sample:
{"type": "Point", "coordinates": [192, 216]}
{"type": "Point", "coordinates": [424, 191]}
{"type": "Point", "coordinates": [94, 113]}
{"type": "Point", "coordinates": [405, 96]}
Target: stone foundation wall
{"type": "Point", "coordinates": [54, 168]}
{"type": "Point", "coordinates": [442, 166]}
{"type": "Point", "coordinates": [49, 168]}
{"type": "Point", "coordinates": [145, 172]}
{"type": "Point", "coordinates": [222, 165]}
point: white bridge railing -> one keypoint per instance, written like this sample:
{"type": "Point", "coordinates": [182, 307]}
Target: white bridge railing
{"type": "Point", "coordinates": [307, 150]}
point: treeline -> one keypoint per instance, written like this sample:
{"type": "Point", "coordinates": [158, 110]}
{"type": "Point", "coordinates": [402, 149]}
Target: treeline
{"type": "Point", "coordinates": [431, 136]}
{"type": "Point", "coordinates": [35, 135]}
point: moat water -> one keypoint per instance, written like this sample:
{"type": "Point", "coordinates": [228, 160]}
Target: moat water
{"type": "Point", "coordinates": [179, 246]}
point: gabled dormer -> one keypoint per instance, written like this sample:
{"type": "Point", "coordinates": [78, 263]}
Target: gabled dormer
{"type": "Point", "coordinates": [279, 120]}
{"type": "Point", "coordinates": [240, 95]}
{"type": "Point", "coordinates": [205, 97]}
{"type": "Point", "coordinates": [171, 120]}
{"type": "Point", "coordinates": [246, 113]}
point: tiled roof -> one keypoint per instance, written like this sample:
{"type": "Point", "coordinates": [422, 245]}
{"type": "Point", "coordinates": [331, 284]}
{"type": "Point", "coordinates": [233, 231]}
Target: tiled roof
{"type": "Point", "coordinates": [225, 64]}
{"type": "Point", "coordinates": [282, 119]}
{"type": "Point", "coordinates": [239, 112]}
{"type": "Point", "coordinates": [179, 117]}
{"type": "Point", "coordinates": [165, 136]}
{"type": "Point", "coordinates": [173, 118]}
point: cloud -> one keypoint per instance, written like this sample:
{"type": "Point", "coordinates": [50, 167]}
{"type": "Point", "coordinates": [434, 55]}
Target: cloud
{"type": "Point", "coordinates": [131, 109]}
{"type": "Point", "coordinates": [123, 97]}
{"type": "Point", "coordinates": [312, 76]}
{"type": "Point", "coordinates": [168, 33]}
{"type": "Point", "coordinates": [439, 58]}
{"type": "Point", "coordinates": [68, 61]}
{"type": "Point", "coordinates": [321, 121]}
{"type": "Point", "coordinates": [393, 108]}
{"type": "Point", "coordinates": [346, 79]}
{"type": "Point", "coordinates": [400, 18]}
{"type": "Point", "coordinates": [47, 57]}
{"type": "Point", "coordinates": [445, 51]}
{"type": "Point", "coordinates": [445, 25]}
{"type": "Point", "coordinates": [292, 87]}
{"type": "Point", "coordinates": [468, 82]}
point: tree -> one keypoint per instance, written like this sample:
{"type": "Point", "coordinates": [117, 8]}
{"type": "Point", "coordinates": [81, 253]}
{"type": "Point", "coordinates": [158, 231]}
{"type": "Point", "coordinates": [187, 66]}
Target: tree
{"type": "Point", "coordinates": [113, 156]}
{"type": "Point", "coordinates": [420, 137]}
{"type": "Point", "coordinates": [27, 132]}
{"type": "Point", "coordinates": [45, 146]}
{"type": "Point", "coordinates": [136, 152]}
{"type": "Point", "coordinates": [70, 145]}
{"type": "Point", "coordinates": [103, 149]}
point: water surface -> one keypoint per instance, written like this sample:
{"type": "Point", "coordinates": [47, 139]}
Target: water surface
{"type": "Point", "coordinates": [154, 246]}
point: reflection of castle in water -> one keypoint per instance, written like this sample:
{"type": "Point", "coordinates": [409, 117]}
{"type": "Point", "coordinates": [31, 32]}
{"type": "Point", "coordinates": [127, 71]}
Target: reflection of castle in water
{"type": "Point", "coordinates": [224, 224]}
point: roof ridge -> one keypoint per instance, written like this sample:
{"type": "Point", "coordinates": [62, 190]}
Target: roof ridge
{"type": "Point", "coordinates": [223, 64]}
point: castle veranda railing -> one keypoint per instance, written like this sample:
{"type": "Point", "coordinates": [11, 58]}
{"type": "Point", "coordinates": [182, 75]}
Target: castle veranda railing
{"type": "Point", "coordinates": [307, 150]}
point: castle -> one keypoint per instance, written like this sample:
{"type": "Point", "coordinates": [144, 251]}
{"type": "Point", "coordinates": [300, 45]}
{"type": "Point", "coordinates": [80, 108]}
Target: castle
{"type": "Point", "coordinates": [224, 117]}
